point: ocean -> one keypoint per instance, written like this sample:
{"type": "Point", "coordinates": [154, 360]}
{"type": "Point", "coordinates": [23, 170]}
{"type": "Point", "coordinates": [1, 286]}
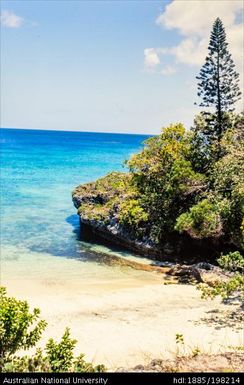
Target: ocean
{"type": "Point", "coordinates": [39, 169]}
{"type": "Point", "coordinates": [121, 316]}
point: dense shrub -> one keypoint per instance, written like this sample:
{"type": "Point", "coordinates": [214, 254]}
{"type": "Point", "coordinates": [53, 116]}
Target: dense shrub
{"type": "Point", "coordinates": [164, 179]}
{"type": "Point", "coordinates": [132, 214]}
{"type": "Point", "coordinates": [21, 329]}
{"type": "Point", "coordinates": [176, 184]}
{"type": "Point", "coordinates": [202, 220]}
{"type": "Point", "coordinates": [232, 261]}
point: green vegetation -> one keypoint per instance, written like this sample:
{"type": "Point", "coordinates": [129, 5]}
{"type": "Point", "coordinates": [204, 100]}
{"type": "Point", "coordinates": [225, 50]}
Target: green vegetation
{"type": "Point", "coordinates": [188, 182]}
{"type": "Point", "coordinates": [234, 263]}
{"type": "Point", "coordinates": [20, 330]}
{"type": "Point", "coordinates": [226, 289]}
{"type": "Point", "coordinates": [164, 177]}
{"type": "Point", "coordinates": [202, 220]}
{"type": "Point", "coordinates": [233, 286]}
{"type": "Point", "coordinates": [174, 186]}
{"type": "Point", "coordinates": [218, 86]}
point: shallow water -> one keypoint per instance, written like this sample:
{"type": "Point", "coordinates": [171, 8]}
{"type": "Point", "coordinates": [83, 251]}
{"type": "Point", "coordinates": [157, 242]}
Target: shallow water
{"type": "Point", "coordinates": [40, 234]}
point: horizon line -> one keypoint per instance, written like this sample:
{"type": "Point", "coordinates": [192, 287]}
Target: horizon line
{"type": "Point", "coordinates": [77, 131]}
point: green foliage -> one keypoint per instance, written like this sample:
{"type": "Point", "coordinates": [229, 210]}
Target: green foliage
{"type": "Point", "coordinates": [113, 183]}
{"type": "Point", "coordinates": [218, 84]}
{"type": "Point", "coordinates": [180, 344]}
{"type": "Point", "coordinates": [223, 198]}
{"type": "Point", "coordinates": [196, 351]}
{"type": "Point", "coordinates": [15, 321]}
{"type": "Point", "coordinates": [132, 214]}
{"type": "Point", "coordinates": [103, 196]}
{"type": "Point", "coordinates": [175, 184]}
{"type": "Point", "coordinates": [201, 221]}
{"type": "Point", "coordinates": [179, 338]}
{"type": "Point", "coordinates": [224, 289]}
{"type": "Point", "coordinates": [190, 182]}
{"type": "Point", "coordinates": [227, 182]}
{"type": "Point", "coordinates": [164, 178]}
{"type": "Point", "coordinates": [19, 328]}
{"type": "Point", "coordinates": [80, 365]}
{"type": "Point", "coordinates": [232, 262]}
{"type": "Point", "coordinates": [201, 149]}
{"type": "Point", "coordinates": [60, 355]}
{"type": "Point", "coordinates": [34, 363]}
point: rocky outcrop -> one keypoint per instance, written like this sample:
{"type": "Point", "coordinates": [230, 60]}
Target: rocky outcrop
{"type": "Point", "coordinates": [105, 227]}
{"type": "Point", "coordinates": [202, 272]}
{"type": "Point", "coordinates": [97, 204]}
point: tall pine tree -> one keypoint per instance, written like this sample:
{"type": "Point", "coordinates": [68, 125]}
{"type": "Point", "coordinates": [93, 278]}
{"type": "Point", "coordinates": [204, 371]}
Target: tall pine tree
{"type": "Point", "coordinates": [218, 86]}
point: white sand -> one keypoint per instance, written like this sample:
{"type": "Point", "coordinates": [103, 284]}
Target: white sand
{"type": "Point", "coordinates": [125, 322]}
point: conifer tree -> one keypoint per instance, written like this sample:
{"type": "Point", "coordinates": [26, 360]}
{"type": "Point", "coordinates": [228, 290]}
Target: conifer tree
{"type": "Point", "coordinates": [218, 83]}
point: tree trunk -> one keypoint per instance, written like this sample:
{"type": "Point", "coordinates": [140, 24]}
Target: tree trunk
{"type": "Point", "coordinates": [219, 110]}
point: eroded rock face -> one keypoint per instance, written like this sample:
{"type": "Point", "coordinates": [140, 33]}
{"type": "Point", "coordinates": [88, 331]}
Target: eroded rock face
{"type": "Point", "coordinates": [97, 207]}
{"type": "Point", "coordinates": [105, 225]}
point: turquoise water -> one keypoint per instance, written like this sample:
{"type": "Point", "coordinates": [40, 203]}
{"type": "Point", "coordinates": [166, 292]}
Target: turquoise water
{"type": "Point", "coordinates": [39, 171]}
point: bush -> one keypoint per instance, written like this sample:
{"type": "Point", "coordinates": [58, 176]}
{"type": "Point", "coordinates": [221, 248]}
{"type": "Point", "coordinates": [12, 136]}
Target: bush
{"type": "Point", "coordinates": [59, 357]}
{"type": "Point", "coordinates": [224, 289]}
{"type": "Point", "coordinates": [164, 179]}
{"type": "Point", "coordinates": [132, 214]}
{"type": "Point", "coordinates": [232, 261]}
{"type": "Point", "coordinates": [176, 183]}
{"type": "Point", "coordinates": [15, 321]}
{"type": "Point", "coordinates": [202, 220]}
{"type": "Point", "coordinates": [19, 328]}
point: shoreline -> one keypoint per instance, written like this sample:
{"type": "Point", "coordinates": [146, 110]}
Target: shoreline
{"type": "Point", "coordinates": [130, 322]}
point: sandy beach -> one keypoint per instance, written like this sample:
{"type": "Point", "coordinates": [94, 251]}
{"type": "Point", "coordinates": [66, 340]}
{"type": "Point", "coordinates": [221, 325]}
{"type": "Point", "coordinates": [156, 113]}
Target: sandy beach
{"type": "Point", "coordinates": [128, 321]}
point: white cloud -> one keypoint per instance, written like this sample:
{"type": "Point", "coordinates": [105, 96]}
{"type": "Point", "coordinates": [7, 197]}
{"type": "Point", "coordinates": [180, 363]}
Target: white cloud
{"type": "Point", "coordinates": [196, 17]}
{"type": "Point", "coordinates": [10, 20]}
{"type": "Point", "coordinates": [193, 20]}
{"type": "Point", "coordinates": [190, 51]}
{"type": "Point", "coordinates": [151, 59]}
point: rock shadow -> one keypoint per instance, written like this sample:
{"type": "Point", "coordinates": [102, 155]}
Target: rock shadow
{"type": "Point", "coordinates": [233, 318]}
{"type": "Point", "coordinates": [74, 221]}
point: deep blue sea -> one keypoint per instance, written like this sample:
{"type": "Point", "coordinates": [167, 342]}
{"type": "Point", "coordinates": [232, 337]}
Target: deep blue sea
{"type": "Point", "coordinates": [39, 170]}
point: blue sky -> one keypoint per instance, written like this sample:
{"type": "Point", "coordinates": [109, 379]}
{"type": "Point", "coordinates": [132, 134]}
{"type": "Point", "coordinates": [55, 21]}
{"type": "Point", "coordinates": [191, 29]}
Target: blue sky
{"type": "Point", "coordinates": [109, 66]}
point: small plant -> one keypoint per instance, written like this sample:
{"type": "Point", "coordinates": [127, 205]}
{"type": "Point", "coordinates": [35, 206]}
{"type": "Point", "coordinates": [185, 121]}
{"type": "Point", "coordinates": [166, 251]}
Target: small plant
{"type": "Point", "coordinates": [180, 344]}
{"type": "Point", "coordinates": [179, 339]}
{"type": "Point", "coordinates": [196, 351]}
{"type": "Point", "coordinates": [238, 348]}
{"type": "Point", "coordinates": [232, 261]}
{"type": "Point", "coordinates": [224, 289]}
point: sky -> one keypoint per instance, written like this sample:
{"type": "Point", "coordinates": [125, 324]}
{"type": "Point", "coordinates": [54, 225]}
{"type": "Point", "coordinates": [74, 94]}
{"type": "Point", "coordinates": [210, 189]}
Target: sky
{"type": "Point", "coordinates": [108, 66]}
